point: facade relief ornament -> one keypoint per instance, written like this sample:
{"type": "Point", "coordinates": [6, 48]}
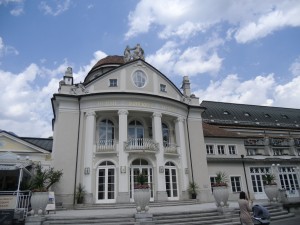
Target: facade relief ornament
{"type": "Point", "coordinates": [157, 114]}
{"type": "Point", "coordinates": [133, 53]}
{"type": "Point", "coordinates": [90, 113]}
{"type": "Point", "coordinates": [78, 89]}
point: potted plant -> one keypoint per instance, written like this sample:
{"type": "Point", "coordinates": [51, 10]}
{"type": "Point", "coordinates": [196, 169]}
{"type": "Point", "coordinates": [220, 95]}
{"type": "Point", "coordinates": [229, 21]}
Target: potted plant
{"type": "Point", "coordinates": [220, 190]}
{"type": "Point", "coordinates": [141, 193]}
{"type": "Point", "coordinates": [80, 192]}
{"type": "Point", "coordinates": [40, 183]}
{"type": "Point", "coordinates": [270, 186]}
{"type": "Point", "coordinates": [193, 189]}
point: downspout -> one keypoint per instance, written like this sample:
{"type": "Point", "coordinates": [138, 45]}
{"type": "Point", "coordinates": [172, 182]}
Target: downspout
{"type": "Point", "coordinates": [189, 142]}
{"type": "Point", "coordinates": [77, 150]}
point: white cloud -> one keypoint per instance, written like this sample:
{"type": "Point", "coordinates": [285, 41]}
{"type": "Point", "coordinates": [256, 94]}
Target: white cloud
{"type": "Point", "coordinates": [295, 67]}
{"type": "Point", "coordinates": [267, 24]}
{"type": "Point", "coordinates": [192, 61]}
{"type": "Point", "coordinates": [6, 49]}
{"type": "Point", "coordinates": [17, 11]}
{"type": "Point", "coordinates": [55, 7]}
{"type": "Point", "coordinates": [257, 91]}
{"type": "Point", "coordinates": [28, 110]}
{"type": "Point", "coordinates": [248, 20]}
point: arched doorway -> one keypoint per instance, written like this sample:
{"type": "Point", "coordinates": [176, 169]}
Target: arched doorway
{"type": "Point", "coordinates": [106, 185]}
{"type": "Point", "coordinates": [141, 166]}
{"type": "Point", "coordinates": [171, 181]}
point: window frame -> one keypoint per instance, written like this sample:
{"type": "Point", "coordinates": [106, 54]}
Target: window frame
{"type": "Point", "coordinates": [230, 150]}
{"type": "Point", "coordinates": [113, 82]}
{"type": "Point", "coordinates": [224, 149]}
{"type": "Point", "coordinates": [212, 151]}
{"type": "Point", "coordinates": [234, 185]}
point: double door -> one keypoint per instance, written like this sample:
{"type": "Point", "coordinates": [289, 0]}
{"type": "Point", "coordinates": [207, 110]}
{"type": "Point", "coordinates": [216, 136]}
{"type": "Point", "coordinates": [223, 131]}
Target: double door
{"type": "Point", "coordinates": [134, 172]}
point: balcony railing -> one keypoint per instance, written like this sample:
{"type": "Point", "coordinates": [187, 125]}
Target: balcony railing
{"type": "Point", "coordinates": [280, 142]}
{"type": "Point", "coordinates": [141, 144]}
{"type": "Point", "coordinates": [170, 148]}
{"type": "Point", "coordinates": [255, 142]}
{"type": "Point", "coordinates": [106, 146]}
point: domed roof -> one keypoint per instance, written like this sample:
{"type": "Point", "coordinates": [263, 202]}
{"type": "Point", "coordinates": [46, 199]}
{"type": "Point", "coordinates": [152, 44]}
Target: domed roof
{"type": "Point", "coordinates": [111, 59]}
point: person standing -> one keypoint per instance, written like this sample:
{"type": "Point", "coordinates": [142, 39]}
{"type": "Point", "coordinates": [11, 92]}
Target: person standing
{"type": "Point", "coordinates": [245, 209]}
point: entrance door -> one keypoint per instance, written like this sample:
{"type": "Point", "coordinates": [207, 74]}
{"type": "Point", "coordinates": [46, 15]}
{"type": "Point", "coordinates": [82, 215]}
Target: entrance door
{"type": "Point", "coordinates": [106, 183]}
{"type": "Point", "coordinates": [141, 166]}
{"type": "Point", "coordinates": [171, 181]}
{"type": "Point", "coordinates": [257, 181]}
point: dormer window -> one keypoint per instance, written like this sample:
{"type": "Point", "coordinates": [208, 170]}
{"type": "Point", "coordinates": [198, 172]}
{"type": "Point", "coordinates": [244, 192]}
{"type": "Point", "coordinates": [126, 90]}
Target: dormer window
{"type": "Point", "coordinates": [113, 82]}
{"type": "Point", "coordinates": [267, 115]}
{"type": "Point", "coordinates": [163, 88]}
{"type": "Point", "coordinates": [246, 114]}
{"type": "Point", "coordinates": [284, 116]}
{"type": "Point", "coordinates": [226, 112]}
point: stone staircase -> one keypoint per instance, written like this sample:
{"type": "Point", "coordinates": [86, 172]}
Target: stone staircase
{"type": "Point", "coordinates": [214, 217]}
{"type": "Point", "coordinates": [229, 216]}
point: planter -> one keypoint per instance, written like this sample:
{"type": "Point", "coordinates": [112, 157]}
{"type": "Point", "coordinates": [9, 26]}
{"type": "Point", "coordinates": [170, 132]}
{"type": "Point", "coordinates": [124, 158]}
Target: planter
{"type": "Point", "coordinates": [272, 192]}
{"type": "Point", "coordinates": [39, 200]}
{"type": "Point", "coordinates": [221, 195]}
{"type": "Point", "coordinates": [142, 199]}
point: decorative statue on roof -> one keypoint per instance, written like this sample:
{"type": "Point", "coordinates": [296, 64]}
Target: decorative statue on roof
{"type": "Point", "coordinates": [138, 53]}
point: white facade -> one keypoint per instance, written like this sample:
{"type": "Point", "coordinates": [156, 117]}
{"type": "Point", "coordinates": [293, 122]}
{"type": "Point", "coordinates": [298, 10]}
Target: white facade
{"type": "Point", "coordinates": [128, 118]}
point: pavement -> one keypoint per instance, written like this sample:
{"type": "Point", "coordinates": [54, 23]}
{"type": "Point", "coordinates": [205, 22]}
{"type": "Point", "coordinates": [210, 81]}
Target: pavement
{"type": "Point", "coordinates": [131, 211]}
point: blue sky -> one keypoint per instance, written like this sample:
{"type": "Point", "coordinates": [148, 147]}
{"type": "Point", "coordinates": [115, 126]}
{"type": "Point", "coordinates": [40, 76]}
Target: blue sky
{"type": "Point", "coordinates": [234, 51]}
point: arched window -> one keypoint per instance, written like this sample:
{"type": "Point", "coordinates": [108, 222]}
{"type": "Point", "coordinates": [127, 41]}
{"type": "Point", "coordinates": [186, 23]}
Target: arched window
{"type": "Point", "coordinates": [106, 132]}
{"type": "Point", "coordinates": [166, 135]}
{"type": "Point", "coordinates": [136, 133]}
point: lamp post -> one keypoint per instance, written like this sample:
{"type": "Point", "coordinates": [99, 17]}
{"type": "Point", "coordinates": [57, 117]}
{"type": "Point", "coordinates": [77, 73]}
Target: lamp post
{"type": "Point", "coordinates": [242, 156]}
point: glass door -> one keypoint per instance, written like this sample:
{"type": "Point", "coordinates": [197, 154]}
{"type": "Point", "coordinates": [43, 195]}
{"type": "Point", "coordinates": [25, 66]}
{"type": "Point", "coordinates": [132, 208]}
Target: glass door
{"type": "Point", "coordinates": [106, 185]}
{"type": "Point", "coordinates": [171, 182]}
{"type": "Point", "coordinates": [134, 172]}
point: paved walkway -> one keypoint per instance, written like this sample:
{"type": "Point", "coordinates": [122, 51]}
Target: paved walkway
{"type": "Point", "coordinates": [130, 211]}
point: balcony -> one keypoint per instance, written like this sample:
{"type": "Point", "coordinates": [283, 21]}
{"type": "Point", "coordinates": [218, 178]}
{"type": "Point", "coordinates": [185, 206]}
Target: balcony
{"type": "Point", "coordinates": [280, 142]}
{"type": "Point", "coordinates": [280, 152]}
{"type": "Point", "coordinates": [170, 148]}
{"type": "Point", "coordinates": [141, 145]}
{"type": "Point", "coordinates": [254, 142]}
{"type": "Point", "coordinates": [104, 146]}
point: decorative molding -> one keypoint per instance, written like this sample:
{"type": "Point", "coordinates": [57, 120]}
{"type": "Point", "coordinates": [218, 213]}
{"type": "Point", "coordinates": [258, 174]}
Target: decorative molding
{"type": "Point", "coordinates": [90, 113]}
{"type": "Point", "coordinates": [156, 114]}
{"type": "Point", "coordinates": [123, 112]}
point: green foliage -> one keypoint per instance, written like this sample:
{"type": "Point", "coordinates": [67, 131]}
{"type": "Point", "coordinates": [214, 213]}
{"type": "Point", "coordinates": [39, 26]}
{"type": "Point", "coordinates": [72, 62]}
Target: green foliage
{"type": "Point", "coordinates": [193, 188]}
{"type": "Point", "coordinates": [269, 178]}
{"type": "Point", "coordinates": [142, 181]}
{"type": "Point", "coordinates": [42, 180]}
{"type": "Point", "coordinates": [221, 179]}
{"type": "Point", "coordinates": [80, 192]}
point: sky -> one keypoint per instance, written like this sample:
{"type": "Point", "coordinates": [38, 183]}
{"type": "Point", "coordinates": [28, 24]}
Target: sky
{"type": "Point", "coordinates": [239, 51]}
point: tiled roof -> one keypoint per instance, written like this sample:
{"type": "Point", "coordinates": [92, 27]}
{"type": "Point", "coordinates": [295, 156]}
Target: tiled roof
{"type": "Point", "coordinates": [215, 131]}
{"type": "Point", "coordinates": [111, 59]}
{"type": "Point", "coordinates": [250, 115]}
{"type": "Point", "coordinates": [44, 143]}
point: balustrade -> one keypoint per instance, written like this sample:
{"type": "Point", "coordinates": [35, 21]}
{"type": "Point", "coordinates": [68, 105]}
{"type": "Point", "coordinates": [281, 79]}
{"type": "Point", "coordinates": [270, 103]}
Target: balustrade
{"type": "Point", "coordinates": [280, 142]}
{"type": "Point", "coordinates": [137, 144]}
{"type": "Point", "coordinates": [170, 148]}
{"type": "Point", "coordinates": [255, 142]}
{"type": "Point", "coordinates": [106, 145]}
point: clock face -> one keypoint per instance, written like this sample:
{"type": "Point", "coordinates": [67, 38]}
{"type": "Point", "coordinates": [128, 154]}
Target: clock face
{"type": "Point", "coordinates": [139, 79]}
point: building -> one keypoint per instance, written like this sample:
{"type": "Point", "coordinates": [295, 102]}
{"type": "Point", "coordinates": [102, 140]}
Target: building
{"type": "Point", "coordinates": [128, 118]}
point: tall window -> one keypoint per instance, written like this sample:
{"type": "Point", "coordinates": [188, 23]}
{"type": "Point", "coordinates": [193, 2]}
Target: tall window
{"type": "Point", "coordinates": [235, 184]}
{"type": "Point", "coordinates": [209, 149]}
{"type": "Point", "coordinates": [231, 149]}
{"type": "Point", "coordinates": [106, 132]}
{"type": "Point", "coordinates": [288, 179]}
{"type": "Point", "coordinates": [171, 181]}
{"type": "Point", "coordinates": [221, 149]}
{"type": "Point", "coordinates": [166, 135]}
{"type": "Point", "coordinates": [135, 133]}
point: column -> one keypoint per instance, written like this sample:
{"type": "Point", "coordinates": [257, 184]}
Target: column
{"type": "Point", "coordinates": [88, 154]}
{"type": "Point", "coordinates": [180, 141]}
{"type": "Point", "coordinates": [123, 193]}
{"type": "Point", "coordinates": [161, 193]}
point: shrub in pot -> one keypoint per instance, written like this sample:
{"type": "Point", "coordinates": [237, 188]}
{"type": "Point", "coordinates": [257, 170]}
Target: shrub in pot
{"type": "Point", "coordinates": [220, 190]}
{"type": "Point", "coordinates": [142, 193]}
{"type": "Point", "coordinates": [193, 189]}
